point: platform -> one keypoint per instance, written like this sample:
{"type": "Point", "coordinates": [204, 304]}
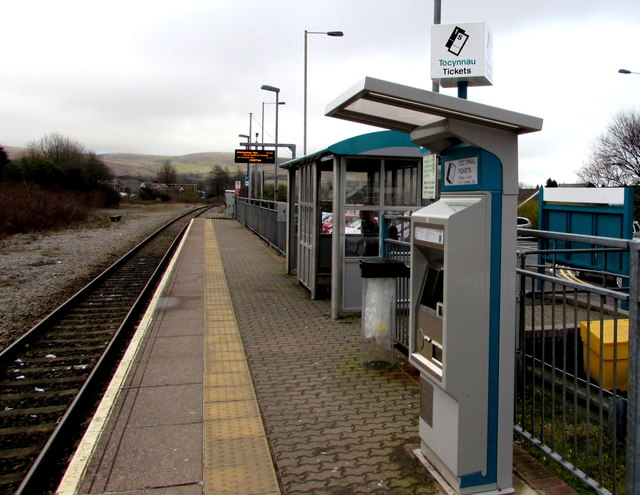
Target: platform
{"type": "Point", "coordinates": [237, 383]}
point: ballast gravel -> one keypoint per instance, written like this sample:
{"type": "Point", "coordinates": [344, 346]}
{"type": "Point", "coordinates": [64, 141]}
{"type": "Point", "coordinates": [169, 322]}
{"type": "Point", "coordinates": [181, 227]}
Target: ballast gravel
{"type": "Point", "coordinates": [38, 272]}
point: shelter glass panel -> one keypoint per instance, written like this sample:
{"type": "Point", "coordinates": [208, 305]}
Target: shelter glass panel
{"type": "Point", "coordinates": [362, 185]}
{"type": "Point", "coordinates": [401, 183]}
{"type": "Point", "coordinates": [397, 225]}
{"type": "Point", "coordinates": [361, 233]}
{"type": "Point", "coordinates": [326, 191]}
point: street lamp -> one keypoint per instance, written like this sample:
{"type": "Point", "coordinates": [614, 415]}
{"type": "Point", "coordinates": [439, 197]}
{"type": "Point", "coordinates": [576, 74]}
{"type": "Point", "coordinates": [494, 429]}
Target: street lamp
{"type": "Point", "coordinates": [328, 33]}
{"type": "Point", "coordinates": [246, 147]}
{"type": "Point", "coordinates": [263, 140]}
{"type": "Point", "coordinates": [262, 121]}
{"type": "Point", "coordinates": [625, 71]}
{"type": "Point", "coordinates": [275, 90]}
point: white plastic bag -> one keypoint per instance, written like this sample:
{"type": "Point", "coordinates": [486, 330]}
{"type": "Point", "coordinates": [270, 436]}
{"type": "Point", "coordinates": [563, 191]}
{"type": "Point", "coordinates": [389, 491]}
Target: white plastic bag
{"type": "Point", "coordinates": [377, 318]}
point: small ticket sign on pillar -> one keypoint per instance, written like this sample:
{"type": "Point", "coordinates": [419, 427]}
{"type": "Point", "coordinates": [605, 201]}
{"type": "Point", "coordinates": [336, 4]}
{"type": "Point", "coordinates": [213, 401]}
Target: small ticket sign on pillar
{"type": "Point", "coordinates": [461, 53]}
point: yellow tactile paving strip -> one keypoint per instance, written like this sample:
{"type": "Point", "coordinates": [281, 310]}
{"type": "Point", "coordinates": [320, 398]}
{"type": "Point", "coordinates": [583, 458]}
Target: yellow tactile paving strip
{"type": "Point", "coordinates": [237, 460]}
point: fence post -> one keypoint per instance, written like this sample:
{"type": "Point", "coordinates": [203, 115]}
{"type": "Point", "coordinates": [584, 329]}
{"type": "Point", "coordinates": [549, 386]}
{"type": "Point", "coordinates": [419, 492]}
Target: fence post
{"type": "Point", "coordinates": [633, 393]}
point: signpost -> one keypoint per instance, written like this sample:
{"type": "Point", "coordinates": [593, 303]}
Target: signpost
{"type": "Point", "coordinates": [461, 53]}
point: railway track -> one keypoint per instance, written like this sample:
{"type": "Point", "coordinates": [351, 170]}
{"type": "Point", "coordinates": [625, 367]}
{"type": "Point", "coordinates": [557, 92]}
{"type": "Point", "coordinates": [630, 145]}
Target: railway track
{"type": "Point", "coordinates": [52, 378]}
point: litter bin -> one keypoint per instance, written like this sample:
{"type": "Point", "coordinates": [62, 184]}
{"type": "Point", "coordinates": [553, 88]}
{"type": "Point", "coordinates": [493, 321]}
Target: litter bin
{"type": "Point", "coordinates": [379, 310]}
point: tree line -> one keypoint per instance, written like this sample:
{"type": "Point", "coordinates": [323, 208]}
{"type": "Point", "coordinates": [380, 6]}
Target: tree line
{"type": "Point", "coordinates": [57, 160]}
{"type": "Point", "coordinates": [614, 160]}
{"type": "Point", "coordinates": [55, 184]}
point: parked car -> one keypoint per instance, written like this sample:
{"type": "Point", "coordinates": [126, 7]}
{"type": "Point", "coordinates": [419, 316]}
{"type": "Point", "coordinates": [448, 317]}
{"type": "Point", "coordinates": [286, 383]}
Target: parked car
{"type": "Point", "coordinates": [352, 227]}
{"type": "Point", "coordinates": [524, 223]}
{"type": "Point", "coordinates": [327, 222]}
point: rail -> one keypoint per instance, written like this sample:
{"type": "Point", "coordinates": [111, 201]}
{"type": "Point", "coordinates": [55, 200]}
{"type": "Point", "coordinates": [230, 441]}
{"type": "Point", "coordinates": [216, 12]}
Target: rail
{"type": "Point", "coordinates": [574, 358]}
{"type": "Point", "coordinates": [87, 368]}
{"type": "Point", "coordinates": [268, 219]}
{"type": "Point", "coordinates": [400, 250]}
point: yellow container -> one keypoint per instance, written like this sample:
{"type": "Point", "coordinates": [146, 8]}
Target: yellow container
{"type": "Point", "coordinates": [592, 349]}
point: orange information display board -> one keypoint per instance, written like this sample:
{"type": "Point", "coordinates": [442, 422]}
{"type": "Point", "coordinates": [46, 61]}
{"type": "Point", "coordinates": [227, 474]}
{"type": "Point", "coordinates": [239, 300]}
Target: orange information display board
{"type": "Point", "coordinates": [255, 156]}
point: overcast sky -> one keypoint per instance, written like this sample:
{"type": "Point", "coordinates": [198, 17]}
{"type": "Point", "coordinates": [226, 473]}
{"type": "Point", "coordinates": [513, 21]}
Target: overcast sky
{"type": "Point", "coordinates": [182, 76]}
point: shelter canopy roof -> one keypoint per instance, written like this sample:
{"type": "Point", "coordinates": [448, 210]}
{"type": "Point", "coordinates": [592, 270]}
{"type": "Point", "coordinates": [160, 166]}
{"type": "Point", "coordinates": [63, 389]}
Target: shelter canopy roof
{"type": "Point", "coordinates": [404, 108]}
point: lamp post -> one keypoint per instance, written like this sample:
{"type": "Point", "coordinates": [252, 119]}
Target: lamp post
{"type": "Point", "coordinates": [246, 147]}
{"type": "Point", "coordinates": [275, 90]}
{"type": "Point", "coordinates": [262, 121]}
{"type": "Point", "coordinates": [328, 33]}
{"type": "Point", "coordinates": [263, 138]}
{"type": "Point", "coordinates": [437, 17]}
{"type": "Point", "coordinates": [625, 71]}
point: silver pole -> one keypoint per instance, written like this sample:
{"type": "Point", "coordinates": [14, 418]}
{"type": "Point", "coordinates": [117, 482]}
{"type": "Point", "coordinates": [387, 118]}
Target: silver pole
{"type": "Point", "coordinates": [275, 165]}
{"type": "Point", "coordinates": [249, 188]}
{"type": "Point", "coordinates": [262, 124]}
{"type": "Point", "coordinates": [633, 382]}
{"type": "Point", "coordinates": [306, 33]}
{"type": "Point", "coordinates": [437, 17]}
{"type": "Point", "coordinates": [266, 87]}
{"type": "Point", "coordinates": [304, 141]}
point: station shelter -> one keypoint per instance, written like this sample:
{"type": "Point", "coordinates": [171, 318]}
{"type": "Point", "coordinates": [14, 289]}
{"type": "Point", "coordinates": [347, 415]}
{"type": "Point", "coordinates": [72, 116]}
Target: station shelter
{"type": "Point", "coordinates": [344, 201]}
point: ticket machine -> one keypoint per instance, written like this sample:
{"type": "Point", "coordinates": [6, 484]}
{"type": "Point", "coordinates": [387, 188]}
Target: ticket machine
{"type": "Point", "coordinates": [463, 282]}
{"type": "Point", "coordinates": [456, 341]}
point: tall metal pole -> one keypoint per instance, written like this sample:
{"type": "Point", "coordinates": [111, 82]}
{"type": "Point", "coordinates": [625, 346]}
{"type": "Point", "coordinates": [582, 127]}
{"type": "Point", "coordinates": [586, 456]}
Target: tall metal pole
{"type": "Point", "coordinates": [633, 392]}
{"type": "Point", "coordinates": [306, 33]}
{"type": "Point", "coordinates": [304, 141]}
{"type": "Point", "coordinates": [249, 189]}
{"type": "Point", "coordinates": [437, 18]}
{"type": "Point", "coordinates": [275, 165]}
{"type": "Point", "coordinates": [266, 87]}
{"type": "Point", "coordinates": [262, 124]}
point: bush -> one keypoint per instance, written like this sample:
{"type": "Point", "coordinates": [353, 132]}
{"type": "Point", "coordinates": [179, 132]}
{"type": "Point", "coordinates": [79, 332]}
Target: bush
{"type": "Point", "coordinates": [31, 208]}
{"type": "Point", "coordinates": [34, 169]}
{"type": "Point", "coordinates": [153, 194]}
{"type": "Point", "coordinates": [79, 169]}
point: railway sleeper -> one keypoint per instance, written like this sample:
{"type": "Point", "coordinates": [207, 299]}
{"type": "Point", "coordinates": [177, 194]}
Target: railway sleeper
{"type": "Point", "coordinates": [59, 409]}
{"type": "Point", "coordinates": [34, 398]}
{"type": "Point", "coordinates": [31, 419]}
{"type": "Point", "coordinates": [9, 482]}
{"type": "Point", "coordinates": [28, 382]}
{"type": "Point", "coordinates": [58, 352]}
{"type": "Point", "coordinates": [105, 308]}
{"type": "Point", "coordinates": [64, 368]}
{"type": "Point", "coordinates": [22, 433]}
{"type": "Point", "coordinates": [63, 340]}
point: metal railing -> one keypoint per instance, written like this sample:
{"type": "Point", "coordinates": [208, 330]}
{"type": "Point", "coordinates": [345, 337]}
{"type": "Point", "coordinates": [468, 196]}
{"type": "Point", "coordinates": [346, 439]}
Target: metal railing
{"type": "Point", "coordinates": [573, 358]}
{"type": "Point", "coordinates": [400, 251]}
{"type": "Point", "coordinates": [268, 219]}
{"type": "Point", "coordinates": [575, 379]}
{"type": "Point", "coordinates": [577, 370]}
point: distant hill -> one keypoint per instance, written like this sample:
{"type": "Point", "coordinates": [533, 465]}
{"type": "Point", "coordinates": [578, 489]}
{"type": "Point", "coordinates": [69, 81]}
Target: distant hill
{"type": "Point", "coordinates": [146, 166]}
{"type": "Point", "coordinates": [14, 153]}
{"type": "Point", "coordinates": [133, 164]}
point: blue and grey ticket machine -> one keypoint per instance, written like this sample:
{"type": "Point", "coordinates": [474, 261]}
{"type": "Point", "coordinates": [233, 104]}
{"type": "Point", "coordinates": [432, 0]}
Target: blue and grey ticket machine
{"type": "Point", "coordinates": [463, 286]}
{"type": "Point", "coordinates": [463, 277]}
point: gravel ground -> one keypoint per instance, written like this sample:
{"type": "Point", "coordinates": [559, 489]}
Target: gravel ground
{"type": "Point", "coordinates": [38, 272]}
